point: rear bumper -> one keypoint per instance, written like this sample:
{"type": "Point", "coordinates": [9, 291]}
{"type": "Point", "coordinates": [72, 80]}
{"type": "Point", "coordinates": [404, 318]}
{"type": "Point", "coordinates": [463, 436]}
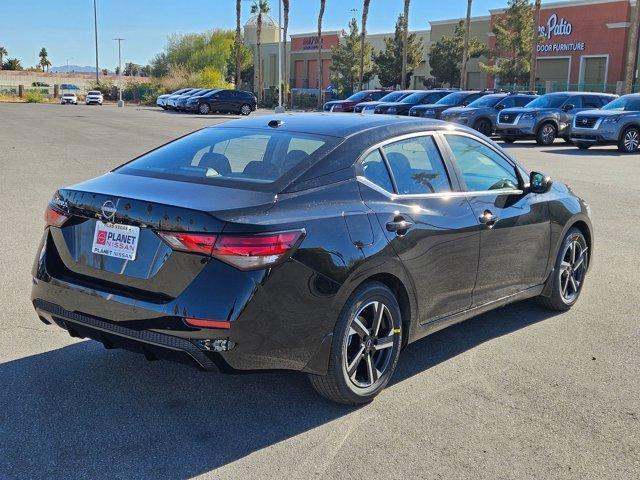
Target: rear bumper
{"type": "Point", "coordinates": [152, 344]}
{"type": "Point", "coordinates": [266, 330]}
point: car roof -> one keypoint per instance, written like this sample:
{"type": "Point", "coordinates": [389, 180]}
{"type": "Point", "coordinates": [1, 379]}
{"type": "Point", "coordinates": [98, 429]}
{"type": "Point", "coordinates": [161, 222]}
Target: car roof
{"type": "Point", "coordinates": [598, 94]}
{"type": "Point", "coordinates": [333, 124]}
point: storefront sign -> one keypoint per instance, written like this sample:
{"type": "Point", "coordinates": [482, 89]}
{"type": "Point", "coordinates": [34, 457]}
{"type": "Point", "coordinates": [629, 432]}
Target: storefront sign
{"type": "Point", "coordinates": [310, 43]}
{"type": "Point", "coordinates": [557, 27]}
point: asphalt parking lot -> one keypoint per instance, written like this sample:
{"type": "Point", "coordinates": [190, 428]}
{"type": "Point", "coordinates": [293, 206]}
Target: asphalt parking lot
{"type": "Point", "coordinates": [518, 393]}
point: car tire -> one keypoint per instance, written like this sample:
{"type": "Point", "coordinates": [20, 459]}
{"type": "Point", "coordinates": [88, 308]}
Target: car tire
{"type": "Point", "coordinates": [629, 140]}
{"type": "Point", "coordinates": [508, 139]}
{"type": "Point", "coordinates": [245, 109]}
{"type": "Point", "coordinates": [204, 109]}
{"type": "Point", "coordinates": [583, 146]}
{"type": "Point", "coordinates": [546, 134]}
{"type": "Point", "coordinates": [567, 278]}
{"type": "Point", "coordinates": [483, 126]}
{"type": "Point", "coordinates": [355, 343]}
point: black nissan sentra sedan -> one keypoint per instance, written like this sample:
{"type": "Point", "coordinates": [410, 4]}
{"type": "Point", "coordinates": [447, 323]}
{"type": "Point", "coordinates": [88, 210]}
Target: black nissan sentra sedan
{"type": "Point", "coordinates": [322, 243]}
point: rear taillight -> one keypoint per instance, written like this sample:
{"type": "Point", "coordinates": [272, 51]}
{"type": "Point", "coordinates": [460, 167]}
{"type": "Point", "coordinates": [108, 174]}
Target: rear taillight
{"type": "Point", "coordinates": [245, 252]}
{"type": "Point", "coordinates": [54, 217]}
{"type": "Point", "coordinates": [189, 242]}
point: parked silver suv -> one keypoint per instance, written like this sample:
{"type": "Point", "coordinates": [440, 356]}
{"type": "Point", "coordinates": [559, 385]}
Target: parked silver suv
{"type": "Point", "coordinates": [617, 123]}
{"type": "Point", "coordinates": [547, 117]}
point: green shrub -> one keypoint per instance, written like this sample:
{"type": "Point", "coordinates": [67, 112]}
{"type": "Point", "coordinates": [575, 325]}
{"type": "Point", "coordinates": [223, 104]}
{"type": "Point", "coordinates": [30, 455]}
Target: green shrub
{"type": "Point", "coordinates": [33, 96]}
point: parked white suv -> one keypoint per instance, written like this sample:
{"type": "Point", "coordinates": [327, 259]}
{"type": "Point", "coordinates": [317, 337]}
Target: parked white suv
{"type": "Point", "coordinates": [94, 96]}
{"type": "Point", "coordinates": [69, 98]}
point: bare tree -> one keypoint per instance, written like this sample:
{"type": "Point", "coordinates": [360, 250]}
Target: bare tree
{"type": "Point", "coordinates": [405, 35]}
{"type": "Point", "coordinates": [363, 39]}
{"type": "Point", "coordinates": [465, 48]}
{"type": "Point", "coordinates": [320, 15]}
{"type": "Point", "coordinates": [632, 50]}
{"type": "Point", "coordinates": [534, 46]}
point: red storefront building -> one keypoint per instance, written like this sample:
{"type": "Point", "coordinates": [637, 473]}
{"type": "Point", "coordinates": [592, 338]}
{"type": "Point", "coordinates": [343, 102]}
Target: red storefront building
{"type": "Point", "coordinates": [584, 43]}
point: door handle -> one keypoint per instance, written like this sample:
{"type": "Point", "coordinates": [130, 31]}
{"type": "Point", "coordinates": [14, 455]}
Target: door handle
{"type": "Point", "coordinates": [488, 218]}
{"type": "Point", "coordinates": [399, 225]}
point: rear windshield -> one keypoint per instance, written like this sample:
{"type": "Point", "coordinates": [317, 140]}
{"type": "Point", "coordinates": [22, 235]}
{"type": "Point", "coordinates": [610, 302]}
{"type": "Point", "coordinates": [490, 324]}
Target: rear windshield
{"type": "Point", "coordinates": [244, 158]}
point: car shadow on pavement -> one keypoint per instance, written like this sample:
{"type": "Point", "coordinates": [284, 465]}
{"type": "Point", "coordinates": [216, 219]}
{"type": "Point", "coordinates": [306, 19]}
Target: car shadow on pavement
{"type": "Point", "coordinates": [609, 152]}
{"type": "Point", "coordinates": [85, 412]}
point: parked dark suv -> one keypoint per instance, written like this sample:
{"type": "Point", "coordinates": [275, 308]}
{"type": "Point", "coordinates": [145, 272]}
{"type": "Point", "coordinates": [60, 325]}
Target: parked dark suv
{"type": "Point", "coordinates": [547, 117]}
{"type": "Point", "coordinates": [223, 101]}
{"type": "Point", "coordinates": [454, 99]}
{"type": "Point", "coordinates": [618, 122]}
{"type": "Point", "coordinates": [402, 107]}
{"type": "Point", "coordinates": [482, 114]}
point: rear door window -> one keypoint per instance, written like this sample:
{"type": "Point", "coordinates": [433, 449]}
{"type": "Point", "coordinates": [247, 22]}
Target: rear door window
{"type": "Point", "coordinates": [375, 170]}
{"type": "Point", "coordinates": [417, 166]}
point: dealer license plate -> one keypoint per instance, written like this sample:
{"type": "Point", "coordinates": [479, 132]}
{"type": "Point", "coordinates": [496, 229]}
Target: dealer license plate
{"type": "Point", "coordinates": [116, 240]}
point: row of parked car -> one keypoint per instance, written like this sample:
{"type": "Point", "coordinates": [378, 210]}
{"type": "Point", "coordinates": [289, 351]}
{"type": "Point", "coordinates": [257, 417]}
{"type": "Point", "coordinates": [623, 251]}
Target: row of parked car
{"type": "Point", "coordinates": [581, 118]}
{"type": "Point", "coordinates": [209, 100]}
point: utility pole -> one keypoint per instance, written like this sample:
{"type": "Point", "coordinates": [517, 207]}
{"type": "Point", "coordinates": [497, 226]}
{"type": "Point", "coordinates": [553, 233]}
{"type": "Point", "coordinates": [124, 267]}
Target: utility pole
{"type": "Point", "coordinates": [280, 108]}
{"type": "Point", "coordinates": [70, 58]}
{"type": "Point", "coordinates": [632, 49]}
{"type": "Point", "coordinates": [120, 102]}
{"type": "Point", "coordinates": [534, 47]}
{"type": "Point", "coordinates": [95, 28]}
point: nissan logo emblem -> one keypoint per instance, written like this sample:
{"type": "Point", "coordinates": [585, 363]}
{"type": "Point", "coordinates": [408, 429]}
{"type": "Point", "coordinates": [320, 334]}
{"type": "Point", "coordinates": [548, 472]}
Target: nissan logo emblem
{"type": "Point", "coordinates": [108, 210]}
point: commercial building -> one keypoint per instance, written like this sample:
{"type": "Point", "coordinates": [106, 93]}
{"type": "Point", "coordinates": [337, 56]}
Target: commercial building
{"type": "Point", "coordinates": [584, 45]}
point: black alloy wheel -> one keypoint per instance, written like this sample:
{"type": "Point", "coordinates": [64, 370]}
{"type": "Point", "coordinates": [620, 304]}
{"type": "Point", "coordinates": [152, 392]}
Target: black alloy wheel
{"type": "Point", "coordinates": [365, 348]}
{"type": "Point", "coordinates": [569, 273]}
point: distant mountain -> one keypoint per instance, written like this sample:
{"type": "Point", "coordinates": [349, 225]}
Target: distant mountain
{"type": "Point", "coordinates": [72, 69]}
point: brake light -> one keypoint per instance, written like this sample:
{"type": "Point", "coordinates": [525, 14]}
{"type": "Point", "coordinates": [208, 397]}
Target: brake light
{"type": "Point", "coordinates": [253, 252]}
{"type": "Point", "coordinates": [54, 217]}
{"type": "Point", "coordinates": [245, 252]}
{"type": "Point", "coordinates": [189, 242]}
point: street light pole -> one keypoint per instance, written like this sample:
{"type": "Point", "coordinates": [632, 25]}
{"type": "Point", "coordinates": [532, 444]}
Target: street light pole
{"type": "Point", "coordinates": [120, 102]}
{"type": "Point", "coordinates": [280, 108]}
{"type": "Point", "coordinates": [95, 28]}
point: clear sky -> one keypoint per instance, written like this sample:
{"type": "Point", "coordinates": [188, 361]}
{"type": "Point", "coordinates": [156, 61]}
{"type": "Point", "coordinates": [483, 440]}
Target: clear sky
{"type": "Point", "coordinates": [65, 27]}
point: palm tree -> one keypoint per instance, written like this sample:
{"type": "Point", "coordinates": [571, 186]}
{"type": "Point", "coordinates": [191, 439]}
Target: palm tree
{"type": "Point", "coordinates": [285, 8]}
{"type": "Point", "coordinates": [44, 61]}
{"type": "Point", "coordinates": [405, 36]}
{"type": "Point", "coordinates": [3, 53]}
{"type": "Point", "coordinates": [465, 48]}
{"type": "Point", "coordinates": [259, 7]}
{"type": "Point", "coordinates": [632, 49]}
{"type": "Point", "coordinates": [13, 64]}
{"type": "Point", "coordinates": [363, 38]}
{"type": "Point", "coordinates": [238, 42]}
{"type": "Point", "coordinates": [320, 15]}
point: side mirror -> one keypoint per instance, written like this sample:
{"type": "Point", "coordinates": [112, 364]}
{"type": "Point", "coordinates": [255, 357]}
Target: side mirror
{"type": "Point", "coordinates": [568, 107]}
{"type": "Point", "coordinates": [500, 106]}
{"type": "Point", "coordinates": [539, 182]}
